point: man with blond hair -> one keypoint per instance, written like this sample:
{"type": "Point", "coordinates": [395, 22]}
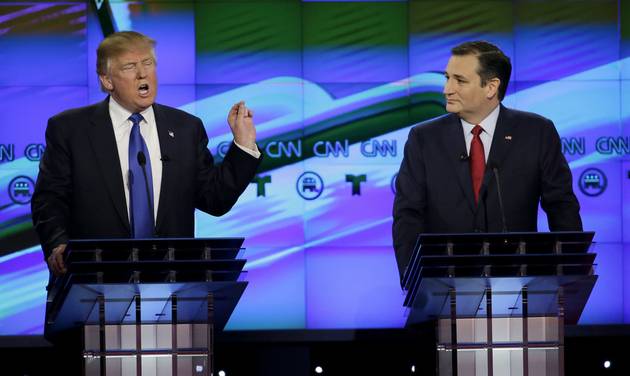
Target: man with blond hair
{"type": "Point", "coordinates": [128, 167]}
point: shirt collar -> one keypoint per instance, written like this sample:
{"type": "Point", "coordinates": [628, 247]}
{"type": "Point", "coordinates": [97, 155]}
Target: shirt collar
{"type": "Point", "coordinates": [120, 115]}
{"type": "Point", "coordinates": [489, 124]}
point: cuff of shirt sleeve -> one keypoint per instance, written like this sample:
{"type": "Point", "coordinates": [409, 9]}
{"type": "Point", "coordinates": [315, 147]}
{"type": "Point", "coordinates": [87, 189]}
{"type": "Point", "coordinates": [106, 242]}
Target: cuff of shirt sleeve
{"type": "Point", "coordinates": [254, 153]}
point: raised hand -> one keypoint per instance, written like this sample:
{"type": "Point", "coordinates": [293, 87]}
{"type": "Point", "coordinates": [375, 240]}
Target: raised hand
{"type": "Point", "coordinates": [241, 121]}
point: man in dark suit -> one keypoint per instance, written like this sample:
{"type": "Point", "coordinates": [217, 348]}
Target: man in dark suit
{"type": "Point", "coordinates": [130, 168]}
{"type": "Point", "coordinates": [447, 181]}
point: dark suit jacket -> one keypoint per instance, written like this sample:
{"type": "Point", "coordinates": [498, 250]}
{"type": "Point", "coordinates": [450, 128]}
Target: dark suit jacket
{"type": "Point", "coordinates": [434, 188]}
{"type": "Point", "coordinates": [79, 191]}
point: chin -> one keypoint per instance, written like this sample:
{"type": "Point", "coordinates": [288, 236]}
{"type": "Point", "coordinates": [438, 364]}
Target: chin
{"type": "Point", "coordinates": [452, 108]}
{"type": "Point", "coordinates": [145, 103]}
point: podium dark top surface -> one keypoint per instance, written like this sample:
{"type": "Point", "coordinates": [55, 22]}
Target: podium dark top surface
{"type": "Point", "coordinates": [488, 244]}
{"type": "Point", "coordinates": [180, 243]}
{"type": "Point", "coordinates": [100, 250]}
{"type": "Point", "coordinates": [470, 264]}
{"type": "Point", "coordinates": [511, 241]}
{"type": "Point", "coordinates": [156, 270]}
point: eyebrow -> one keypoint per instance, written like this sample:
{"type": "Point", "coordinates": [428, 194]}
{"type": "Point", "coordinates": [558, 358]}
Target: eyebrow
{"type": "Point", "coordinates": [128, 62]}
{"type": "Point", "coordinates": [458, 76]}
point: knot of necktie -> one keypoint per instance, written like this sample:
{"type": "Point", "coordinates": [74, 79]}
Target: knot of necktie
{"type": "Point", "coordinates": [136, 118]}
{"type": "Point", "coordinates": [476, 131]}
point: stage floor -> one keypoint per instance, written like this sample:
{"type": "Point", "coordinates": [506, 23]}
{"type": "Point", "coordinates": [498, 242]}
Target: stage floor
{"type": "Point", "coordinates": [341, 352]}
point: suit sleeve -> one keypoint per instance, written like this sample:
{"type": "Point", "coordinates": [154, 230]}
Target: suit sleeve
{"type": "Point", "coordinates": [409, 202]}
{"type": "Point", "coordinates": [557, 197]}
{"type": "Point", "coordinates": [219, 187]}
{"type": "Point", "coordinates": [50, 205]}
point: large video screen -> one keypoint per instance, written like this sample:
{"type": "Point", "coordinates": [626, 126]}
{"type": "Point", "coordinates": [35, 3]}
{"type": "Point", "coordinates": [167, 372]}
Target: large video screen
{"type": "Point", "coordinates": [335, 88]}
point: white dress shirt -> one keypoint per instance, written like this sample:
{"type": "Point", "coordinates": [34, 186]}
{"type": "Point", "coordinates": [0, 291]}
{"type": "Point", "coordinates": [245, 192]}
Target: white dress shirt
{"type": "Point", "coordinates": [488, 124]}
{"type": "Point", "coordinates": [148, 129]}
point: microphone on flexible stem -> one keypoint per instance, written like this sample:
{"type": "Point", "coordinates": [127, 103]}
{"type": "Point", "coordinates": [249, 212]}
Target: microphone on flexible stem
{"type": "Point", "coordinates": [483, 197]}
{"type": "Point", "coordinates": [142, 161]}
{"type": "Point", "coordinates": [495, 170]}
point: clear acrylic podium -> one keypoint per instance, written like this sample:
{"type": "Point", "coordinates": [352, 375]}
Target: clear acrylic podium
{"type": "Point", "coordinates": [148, 307]}
{"type": "Point", "coordinates": [500, 301]}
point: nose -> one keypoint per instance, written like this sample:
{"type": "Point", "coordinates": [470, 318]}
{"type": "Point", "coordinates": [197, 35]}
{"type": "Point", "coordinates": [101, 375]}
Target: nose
{"type": "Point", "coordinates": [448, 87]}
{"type": "Point", "coordinates": [141, 71]}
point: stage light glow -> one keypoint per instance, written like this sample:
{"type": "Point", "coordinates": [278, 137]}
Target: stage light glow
{"type": "Point", "coordinates": [319, 370]}
{"type": "Point", "coordinates": [607, 364]}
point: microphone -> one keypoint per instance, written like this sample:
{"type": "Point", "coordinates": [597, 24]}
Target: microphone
{"type": "Point", "coordinates": [463, 157]}
{"type": "Point", "coordinates": [483, 198]}
{"type": "Point", "coordinates": [142, 161]}
{"type": "Point", "coordinates": [495, 170]}
{"type": "Point", "coordinates": [165, 158]}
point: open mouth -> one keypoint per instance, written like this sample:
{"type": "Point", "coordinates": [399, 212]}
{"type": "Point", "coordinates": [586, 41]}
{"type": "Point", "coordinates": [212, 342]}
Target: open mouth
{"type": "Point", "coordinates": [143, 89]}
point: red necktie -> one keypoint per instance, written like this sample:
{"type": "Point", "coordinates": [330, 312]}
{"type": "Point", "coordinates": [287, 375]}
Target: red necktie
{"type": "Point", "coordinates": [477, 161]}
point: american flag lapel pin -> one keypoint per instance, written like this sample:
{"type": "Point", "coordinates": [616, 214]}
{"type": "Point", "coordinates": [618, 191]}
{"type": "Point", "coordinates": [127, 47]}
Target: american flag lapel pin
{"type": "Point", "coordinates": [171, 133]}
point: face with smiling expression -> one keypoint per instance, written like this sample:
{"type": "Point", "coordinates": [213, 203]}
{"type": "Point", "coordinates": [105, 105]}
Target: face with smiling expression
{"type": "Point", "coordinates": [464, 93]}
{"type": "Point", "coordinates": [131, 78]}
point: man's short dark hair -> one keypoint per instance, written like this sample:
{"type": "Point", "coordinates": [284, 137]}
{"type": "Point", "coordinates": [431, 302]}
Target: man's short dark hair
{"type": "Point", "coordinates": [492, 62]}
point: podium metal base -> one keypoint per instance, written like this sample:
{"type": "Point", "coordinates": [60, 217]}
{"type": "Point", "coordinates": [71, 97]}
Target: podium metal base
{"type": "Point", "coordinates": [507, 353]}
{"type": "Point", "coordinates": [156, 354]}
{"type": "Point", "coordinates": [508, 345]}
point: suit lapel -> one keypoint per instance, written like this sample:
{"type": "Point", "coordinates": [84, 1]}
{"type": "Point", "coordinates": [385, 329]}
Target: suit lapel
{"type": "Point", "coordinates": [455, 146]}
{"type": "Point", "coordinates": [167, 149]}
{"type": "Point", "coordinates": [501, 142]}
{"type": "Point", "coordinates": [103, 142]}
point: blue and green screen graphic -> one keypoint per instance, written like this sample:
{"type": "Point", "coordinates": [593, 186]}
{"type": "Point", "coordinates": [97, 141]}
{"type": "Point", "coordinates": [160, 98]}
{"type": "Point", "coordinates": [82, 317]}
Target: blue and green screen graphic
{"type": "Point", "coordinates": [335, 88]}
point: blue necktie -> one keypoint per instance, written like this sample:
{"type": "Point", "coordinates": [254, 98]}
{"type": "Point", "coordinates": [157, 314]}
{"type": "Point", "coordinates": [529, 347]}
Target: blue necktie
{"type": "Point", "coordinates": [141, 206]}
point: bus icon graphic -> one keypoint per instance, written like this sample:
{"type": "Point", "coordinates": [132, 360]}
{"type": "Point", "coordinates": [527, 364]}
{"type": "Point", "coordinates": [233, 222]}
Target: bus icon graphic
{"type": "Point", "coordinates": [309, 185]}
{"type": "Point", "coordinates": [21, 190]}
{"type": "Point", "coordinates": [592, 182]}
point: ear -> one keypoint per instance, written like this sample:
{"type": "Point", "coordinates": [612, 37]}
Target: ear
{"type": "Point", "coordinates": [106, 82]}
{"type": "Point", "coordinates": [492, 88]}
